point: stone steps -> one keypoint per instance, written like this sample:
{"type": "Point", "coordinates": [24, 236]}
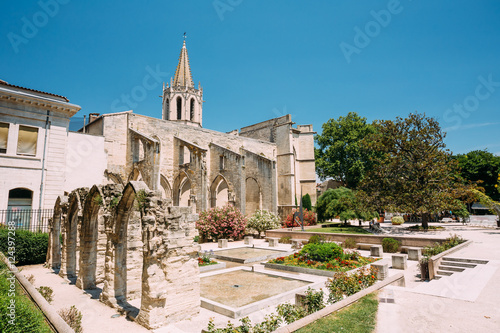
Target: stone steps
{"type": "Point", "coordinates": [451, 268]}
{"type": "Point", "coordinates": [472, 261]}
{"type": "Point", "coordinates": [457, 264]}
{"type": "Point", "coordinates": [445, 273]}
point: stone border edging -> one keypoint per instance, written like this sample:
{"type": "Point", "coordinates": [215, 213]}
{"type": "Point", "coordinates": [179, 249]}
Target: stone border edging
{"type": "Point", "coordinates": [207, 268]}
{"type": "Point", "coordinates": [435, 261]}
{"type": "Point", "coordinates": [52, 316]}
{"type": "Point", "coordinates": [337, 306]}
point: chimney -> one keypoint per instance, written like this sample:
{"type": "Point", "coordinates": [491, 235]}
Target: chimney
{"type": "Point", "coordinates": [93, 116]}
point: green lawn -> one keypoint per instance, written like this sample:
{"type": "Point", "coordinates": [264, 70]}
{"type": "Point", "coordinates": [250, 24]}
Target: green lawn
{"type": "Point", "coordinates": [341, 229]}
{"type": "Point", "coordinates": [359, 317]}
{"type": "Point", "coordinates": [27, 316]}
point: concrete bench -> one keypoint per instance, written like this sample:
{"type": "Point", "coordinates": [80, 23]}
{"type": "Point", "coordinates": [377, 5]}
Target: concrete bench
{"type": "Point", "coordinates": [376, 251]}
{"type": "Point", "coordinates": [273, 241]}
{"type": "Point", "coordinates": [382, 270]}
{"type": "Point", "coordinates": [399, 261]}
{"type": "Point", "coordinates": [364, 246]}
{"type": "Point", "coordinates": [222, 243]}
{"type": "Point", "coordinates": [297, 243]}
{"type": "Point", "coordinates": [248, 240]}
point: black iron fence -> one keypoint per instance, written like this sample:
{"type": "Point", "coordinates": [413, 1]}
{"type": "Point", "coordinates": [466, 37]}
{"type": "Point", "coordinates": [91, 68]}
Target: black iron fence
{"type": "Point", "coordinates": [27, 219]}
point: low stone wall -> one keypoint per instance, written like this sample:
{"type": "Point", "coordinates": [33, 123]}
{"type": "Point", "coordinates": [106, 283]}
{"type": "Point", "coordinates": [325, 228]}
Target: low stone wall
{"type": "Point", "coordinates": [435, 261]}
{"type": "Point", "coordinates": [411, 241]}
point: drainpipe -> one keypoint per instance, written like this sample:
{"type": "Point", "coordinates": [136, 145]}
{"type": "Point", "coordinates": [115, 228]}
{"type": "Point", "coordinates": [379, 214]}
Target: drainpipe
{"type": "Point", "coordinates": [47, 126]}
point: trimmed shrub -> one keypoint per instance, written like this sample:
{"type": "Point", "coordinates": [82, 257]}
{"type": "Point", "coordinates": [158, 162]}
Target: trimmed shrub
{"type": "Point", "coordinates": [397, 220]}
{"type": "Point", "coordinates": [309, 219]}
{"type": "Point", "coordinates": [349, 243]}
{"type": "Point", "coordinates": [306, 202]}
{"type": "Point", "coordinates": [263, 220]}
{"type": "Point", "coordinates": [31, 247]}
{"type": "Point", "coordinates": [318, 239]}
{"type": "Point", "coordinates": [322, 252]}
{"type": "Point", "coordinates": [390, 245]}
{"type": "Point", "coordinates": [221, 223]}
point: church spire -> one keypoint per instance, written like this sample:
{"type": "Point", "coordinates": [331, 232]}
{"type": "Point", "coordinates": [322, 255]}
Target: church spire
{"type": "Point", "coordinates": [183, 76]}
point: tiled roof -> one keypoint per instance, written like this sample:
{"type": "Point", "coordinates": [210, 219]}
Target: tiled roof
{"type": "Point", "coordinates": [4, 83]}
{"type": "Point", "coordinates": [183, 76]}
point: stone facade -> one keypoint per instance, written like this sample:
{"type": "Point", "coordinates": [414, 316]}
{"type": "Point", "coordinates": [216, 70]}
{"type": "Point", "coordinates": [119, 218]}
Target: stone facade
{"type": "Point", "coordinates": [263, 166]}
{"type": "Point", "coordinates": [135, 244]}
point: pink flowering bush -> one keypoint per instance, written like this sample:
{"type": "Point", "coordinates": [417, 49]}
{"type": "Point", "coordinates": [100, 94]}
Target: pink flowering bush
{"type": "Point", "coordinates": [221, 223]}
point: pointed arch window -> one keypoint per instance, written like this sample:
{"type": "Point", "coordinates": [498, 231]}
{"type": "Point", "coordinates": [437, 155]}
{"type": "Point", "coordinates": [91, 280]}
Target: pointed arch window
{"type": "Point", "coordinates": [191, 109]}
{"type": "Point", "coordinates": [179, 108]}
{"type": "Point", "coordinates": [167, 108]}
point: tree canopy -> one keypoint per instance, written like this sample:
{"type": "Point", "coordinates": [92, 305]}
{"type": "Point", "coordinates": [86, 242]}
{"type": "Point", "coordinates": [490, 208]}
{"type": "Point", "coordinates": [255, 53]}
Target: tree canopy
{"type": "Point", "coordinates": [412, 172]}
{"type": "Point", "coordinates": [482, 168]}
{"type": "Point", "coordinates": [343, 203]}
{"type": "Point", "coordinates": [340, 154]}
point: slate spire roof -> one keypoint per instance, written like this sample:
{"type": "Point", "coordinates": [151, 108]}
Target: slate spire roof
{"type": "Point", "coordinates": [183, 76]}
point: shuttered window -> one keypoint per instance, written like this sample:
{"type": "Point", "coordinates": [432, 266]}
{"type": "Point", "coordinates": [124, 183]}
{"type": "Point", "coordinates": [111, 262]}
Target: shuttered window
{"type": "Point", "coordinates": [4, 134]}
{"type": "Point", "coordinates": [26, 143]}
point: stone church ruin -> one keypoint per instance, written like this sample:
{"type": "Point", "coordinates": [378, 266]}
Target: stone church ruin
{"type": "Point", "coordinates": [133, 243]}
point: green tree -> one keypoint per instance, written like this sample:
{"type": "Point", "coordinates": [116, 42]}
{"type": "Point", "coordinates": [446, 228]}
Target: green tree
{"type": "Point", "coordinates": [482, 168]}
{"type": "Point", "coordinates": [412, 172]}
{"type": "Point", "coordinates": [342, 202]}
{"type": "Point", "coordinates": [340, 154]}
{"type": "Point", "coordinates": [306, 202]}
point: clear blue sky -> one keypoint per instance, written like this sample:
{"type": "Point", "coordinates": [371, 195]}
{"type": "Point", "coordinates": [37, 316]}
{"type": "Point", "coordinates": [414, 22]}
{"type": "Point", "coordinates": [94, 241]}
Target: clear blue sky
{"type": "Point", "coordinates": [260, 59]}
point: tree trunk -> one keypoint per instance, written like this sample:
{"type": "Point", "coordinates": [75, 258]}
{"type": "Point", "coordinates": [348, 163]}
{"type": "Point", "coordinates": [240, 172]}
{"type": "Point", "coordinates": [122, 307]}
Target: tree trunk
{"type": "Point", "coordinates": [425, 221]}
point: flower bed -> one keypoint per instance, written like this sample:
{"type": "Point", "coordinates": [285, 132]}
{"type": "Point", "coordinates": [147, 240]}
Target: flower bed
{"type": "Point", "coordinates": [325, 256]}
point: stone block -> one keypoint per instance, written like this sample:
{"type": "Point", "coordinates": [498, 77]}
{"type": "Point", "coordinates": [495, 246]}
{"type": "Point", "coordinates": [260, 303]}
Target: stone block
{"type": "Point", "coordinates": [222, 243]}
{"type": "Point", "coordinates": [273, 242]}
{"type": "Point", "coordinates": [300, 300]}
{"type": "Point", "coordinates": [376, 251]}
{"type": "Point", "coordinates": [248, 240]}
{"type": "Point", "coordinates": [297, 243]}
{"type": "Point", "coordinates": [382, 270]}
{"type": "Point", "coordinates": [399, 261]}
{"type": "Point", "coordinates": [414, 253]}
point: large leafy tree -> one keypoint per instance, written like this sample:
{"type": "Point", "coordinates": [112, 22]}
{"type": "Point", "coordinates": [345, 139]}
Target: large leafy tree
{"type": "Point", "coordinates": [342, 202]}
{"type": "Point", "coordinates": [482, 168]}
{"type": "Point", "coordinates": [340, 154]}
{"type": "Point", "coordinates": [413, 172]}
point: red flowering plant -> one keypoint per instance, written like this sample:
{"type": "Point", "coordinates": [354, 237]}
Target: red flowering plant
{"type": "Point", "coordinates": [343, 284]}
{"type": "Point", "coordinates": [325, 256]}
{"type": "Point", "coordinates": [309, 219]}
{"type": "Point", "coordinates": [221, 223]}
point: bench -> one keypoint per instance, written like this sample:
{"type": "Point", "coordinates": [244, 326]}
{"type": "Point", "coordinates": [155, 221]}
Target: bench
{"type": "Point", "coordinates": [273, 241]}
{"type": "Point", "coordinates": [297, 243]}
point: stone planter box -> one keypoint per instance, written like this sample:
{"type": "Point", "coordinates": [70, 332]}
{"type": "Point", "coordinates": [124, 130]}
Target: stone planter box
{"type": "Point", "coordinates": [208, 268]}
{"type": "Point", "coordinates": [305, 270]}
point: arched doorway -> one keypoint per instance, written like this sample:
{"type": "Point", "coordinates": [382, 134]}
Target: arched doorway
{"type": "Point", "coordinates": [182, 190]}
{"type": "Point", "coordinates": [219, 192]}
{"type": "Point", "coordinates": [19, 207]}
{"type": "Point", "coordinates": [253, 196]}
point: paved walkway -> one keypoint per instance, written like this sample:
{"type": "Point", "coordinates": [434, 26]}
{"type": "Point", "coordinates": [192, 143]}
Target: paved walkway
{"type": "Point", "coordinates": [463, 302]}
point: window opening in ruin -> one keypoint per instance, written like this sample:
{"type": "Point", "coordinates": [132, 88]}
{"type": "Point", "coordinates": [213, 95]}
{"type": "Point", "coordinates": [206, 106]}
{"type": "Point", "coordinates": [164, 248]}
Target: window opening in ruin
{"type": "Point", "coordinates": [179, 108]}
{"type": "Point", "coordinates": [191, 109]}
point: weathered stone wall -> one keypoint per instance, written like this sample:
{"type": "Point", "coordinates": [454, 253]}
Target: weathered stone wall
{"type": "Point", "coordinates": [149, 250]}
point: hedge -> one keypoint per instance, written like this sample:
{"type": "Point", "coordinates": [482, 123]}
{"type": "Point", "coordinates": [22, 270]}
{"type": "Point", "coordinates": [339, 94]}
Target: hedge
{"type": "Point", "coordinates": [30, 247]}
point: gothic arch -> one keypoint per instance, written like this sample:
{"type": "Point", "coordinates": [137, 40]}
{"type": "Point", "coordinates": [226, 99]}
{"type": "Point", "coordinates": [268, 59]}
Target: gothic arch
{"type": "Point", "coordinates": [89, 234]}
{"type": "Point", "coordinates": [54, 248]}
{"type": "Point", "coordinates": [191, 109]}
{"type": "Point", "coordinates": [219, 192]}
{"type": "Point", "coordinates": [70, 251]}
{"type": "Point", "coordinates": [113, 177]}
{"type": "Point", "coordinates": [253, 196]}
{"type": "Point", "coordinates": [182, 190]}
{"type": "Point", "coordinates": [166, 189]}
{"type": "Point", "coordinates": [135, 175]}
{"type": "Point", "coordinates": [178, 102]}
{"type": "Point", "coordinates": [118, 244]}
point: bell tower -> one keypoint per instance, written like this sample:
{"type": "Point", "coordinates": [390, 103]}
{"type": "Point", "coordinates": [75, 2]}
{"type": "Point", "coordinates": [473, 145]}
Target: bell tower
{"type": "Point", "coordinates": [182, 102]}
